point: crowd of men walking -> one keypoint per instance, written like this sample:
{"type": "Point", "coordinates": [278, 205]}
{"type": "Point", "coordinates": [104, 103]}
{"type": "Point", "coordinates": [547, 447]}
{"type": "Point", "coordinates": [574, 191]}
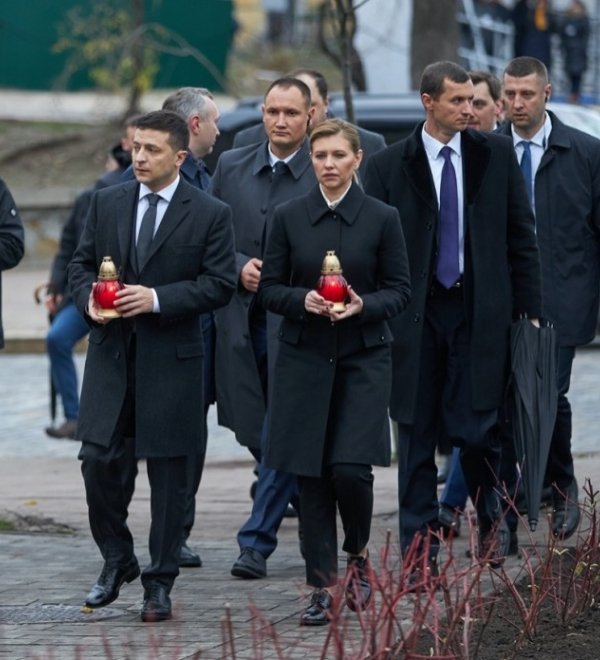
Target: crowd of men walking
{"type": "Point", "coordinates": [488, 212]}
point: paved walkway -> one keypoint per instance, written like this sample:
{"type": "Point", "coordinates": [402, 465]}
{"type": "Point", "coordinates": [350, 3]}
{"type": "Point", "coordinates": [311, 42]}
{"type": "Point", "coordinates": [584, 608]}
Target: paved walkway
{"type": "Point", "coordinates": [45, 575]}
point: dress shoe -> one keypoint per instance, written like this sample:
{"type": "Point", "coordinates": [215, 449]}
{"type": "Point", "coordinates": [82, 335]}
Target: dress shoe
{"type": "Point", "coordinates": [317, 613]}
{"type": "Point", "coordinates": [110, 581]}
{"type": "Point", "coordinates": [494, 545]}
{"type": "Point", "coordinates": [358, 586]}
{"type": "Point", "coordinates": [449, 521]}
{"type": "Point", "coordinates": [565, 511]}
{"type": "Point", "coordinates": [66, 430]}
{"type": "Point", "coordinates": [157, 604]}
{"type": "Point", "coordinates": [188, 558]}
{"type": "Point", "coordinates": [250, 565]}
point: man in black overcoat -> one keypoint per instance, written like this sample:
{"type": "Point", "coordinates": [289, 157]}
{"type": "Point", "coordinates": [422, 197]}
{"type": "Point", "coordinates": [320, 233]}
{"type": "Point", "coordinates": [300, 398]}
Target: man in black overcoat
{"type": "Point", "coordinates": [474, 267]}
{"type": "Point", "coordinates": [142, 385]}
{"type": "Point", "coordinates": [253, 180]}
{"type": "Point", "coordinates": [564, 180]}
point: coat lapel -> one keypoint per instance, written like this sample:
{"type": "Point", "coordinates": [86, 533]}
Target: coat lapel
{"type": "Point", "coordinates": [125, 202]}
{"type": "Point", "coordinates": [416, 168]}
{"type": "Point", "coordinates": [476, 158]}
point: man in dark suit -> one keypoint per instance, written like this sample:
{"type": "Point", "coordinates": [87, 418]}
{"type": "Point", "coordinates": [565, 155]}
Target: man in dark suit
{"type": "Point", "coordinates": [562, 170]}
{"type": "Point", "coordinates": [315, 81]}
{"type": "Point", "coordinates": [173, 245]}
{"type": "Point", "coordinates": [12, 239]}
{"type": "Point", "coordinates": [197, 107]}
{"type": "Point", "coordinates": [474, 267]}
{"type": "Point", "coordinates": [253, 180]}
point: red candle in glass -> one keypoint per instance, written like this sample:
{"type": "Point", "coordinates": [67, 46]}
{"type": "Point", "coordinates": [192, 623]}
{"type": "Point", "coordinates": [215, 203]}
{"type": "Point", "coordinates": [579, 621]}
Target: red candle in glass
{"type": "Point", "coordinates": [106, 289]}
{"type": "Point", "coordinates": [332, 285]}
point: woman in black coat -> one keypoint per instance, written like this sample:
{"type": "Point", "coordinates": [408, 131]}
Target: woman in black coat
{"type": "Point", "coordinates": [328, 419]}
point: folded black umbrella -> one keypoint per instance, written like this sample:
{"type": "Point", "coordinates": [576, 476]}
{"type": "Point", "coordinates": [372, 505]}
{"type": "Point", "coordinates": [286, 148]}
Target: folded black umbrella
{"type": "Point", "coordinates": [534, 399]}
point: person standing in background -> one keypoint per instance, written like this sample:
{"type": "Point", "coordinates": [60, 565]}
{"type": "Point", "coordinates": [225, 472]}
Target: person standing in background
{"type": "Point", "coordinates": [574, 37]}
{"type": "Point", "coordinates": [12, 239]}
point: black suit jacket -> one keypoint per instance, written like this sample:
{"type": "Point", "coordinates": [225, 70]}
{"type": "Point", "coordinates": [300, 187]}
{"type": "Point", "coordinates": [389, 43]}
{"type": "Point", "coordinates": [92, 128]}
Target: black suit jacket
{"type": "Point", "coordinates": [502, 271]}
{"type": "Point", "coordinates": [191, 266]}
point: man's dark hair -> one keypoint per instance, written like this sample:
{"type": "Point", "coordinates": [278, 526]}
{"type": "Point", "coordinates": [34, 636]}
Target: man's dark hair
{"type": "Point", "coordinates": [287, 83]}
{"type": "Point", "coordinates": [166, 122]}
{"type": "Point", "coordinates": [434, 75]}
{"type": "Point", "coordinates": [317, 76]}
{"type": "Point", "coordinates": [525, 66]}
{"type": "Point", "coordinates": [493, 84]}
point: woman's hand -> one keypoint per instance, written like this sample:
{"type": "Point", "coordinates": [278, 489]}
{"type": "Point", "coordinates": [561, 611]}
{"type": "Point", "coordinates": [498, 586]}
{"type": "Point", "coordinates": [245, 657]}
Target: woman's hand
{"type": "Point", "coordinates": [316, 304]}
{"type": "Point", "coordinates": [354, 307]}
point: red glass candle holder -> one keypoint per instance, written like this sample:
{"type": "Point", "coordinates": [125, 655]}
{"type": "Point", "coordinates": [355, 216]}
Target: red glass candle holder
{"type": "Point", "coordinates": [106, 289]}
{"type": "Point", "coordinates": [332, 285]}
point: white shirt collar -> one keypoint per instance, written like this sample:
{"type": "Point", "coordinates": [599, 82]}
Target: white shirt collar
{"type": "Point", "coordinates": [540, 139]}
{"type": "Point", "coordinates": [274, 159]}
{"type": "Point", "coordinates": [166, 193]}
{"type": "Point", "coordinates": [332, 205]}
{"type": "Point", "coordinates": [434, 146]}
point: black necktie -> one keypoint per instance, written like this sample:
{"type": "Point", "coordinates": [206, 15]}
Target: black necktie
{"type": "Point", "coordinates": [279, 168]}
{"type": "Point", "coordinates": [448, 269]}
{"type": "Point", "coordinates": [146, 233]}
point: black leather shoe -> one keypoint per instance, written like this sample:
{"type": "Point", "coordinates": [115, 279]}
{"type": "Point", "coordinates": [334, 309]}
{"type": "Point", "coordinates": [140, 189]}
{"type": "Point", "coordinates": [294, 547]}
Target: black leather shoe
{"type": "Point", "coordinates": [449, 521]}
{"type": "Point", "coordinates": [66, 431]}
{"type": "Point", "coordinates": [250, 565]}
{"type": "Point", "coordinates": [188, 558]}
{"type": "Point", "coordinates": [494, 545]}
{"type": "Point", "coordinates": [358, 585]}
{"type": "Point", "coordinates": [110, 581]}
{"type": "Point", "coordinates": [565, 511]}
{"type": "Point", "coordinates": [157, 604]}
{"type": "Point", "coordinates": [317, 613]}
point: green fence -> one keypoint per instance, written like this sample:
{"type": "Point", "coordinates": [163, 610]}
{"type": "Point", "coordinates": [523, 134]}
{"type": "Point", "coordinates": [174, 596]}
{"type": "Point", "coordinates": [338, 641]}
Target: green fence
{"type": "Point", "coordinates": [29, 30]}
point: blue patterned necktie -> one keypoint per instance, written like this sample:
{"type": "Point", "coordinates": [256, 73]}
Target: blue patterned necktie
{"type": "Point", "coordinates": [526, 169]}
{"type": "Point", "coordinates": [448, 268]}
{"type": "Point", "coordinates": [146, 233]}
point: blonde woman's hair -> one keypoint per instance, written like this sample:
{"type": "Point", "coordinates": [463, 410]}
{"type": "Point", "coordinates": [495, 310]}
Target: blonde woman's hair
{"type": "Point", "coordinates": [336, 126]}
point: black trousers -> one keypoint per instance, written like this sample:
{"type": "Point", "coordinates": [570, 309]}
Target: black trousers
{"type": "Point", "coordinates": [109, 476]}
{"type": "Point", "coordinates": [349, 488]}
{"type": "Point", "coordinates": [444, 405]}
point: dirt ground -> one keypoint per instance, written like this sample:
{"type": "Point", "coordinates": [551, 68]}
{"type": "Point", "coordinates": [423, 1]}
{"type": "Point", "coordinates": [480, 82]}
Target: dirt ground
{"type": "Point", "coordinates": [45, 155]}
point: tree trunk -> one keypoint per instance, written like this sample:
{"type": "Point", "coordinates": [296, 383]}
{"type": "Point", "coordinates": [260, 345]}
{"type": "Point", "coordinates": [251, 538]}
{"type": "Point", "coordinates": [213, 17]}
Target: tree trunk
{"type": "Point", "coordinates": [434, 35]}
{"type": "Point", "coordinates": [137, 56]}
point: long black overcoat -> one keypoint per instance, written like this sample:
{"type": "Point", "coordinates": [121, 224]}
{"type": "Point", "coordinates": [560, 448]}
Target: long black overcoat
{"type": "Point", "coordinates": [332, 380]}
{"type": "Point", "coordinates": [567, 203]}
{"type": "Point", "coordinates": [502, 270]}
{"type": "Point", "coordinates": [244, 179]}
{"type": "Point", "coordinates": [191, 267]}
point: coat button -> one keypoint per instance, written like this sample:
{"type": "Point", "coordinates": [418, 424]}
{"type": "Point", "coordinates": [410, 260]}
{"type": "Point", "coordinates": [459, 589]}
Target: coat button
{"type": "Point", "coordinates": [334, 216]}
{"type": "Point", "coordinates": [332, 324]}
{"type": "Point", "coordinates": [382, 338]}
{"type": "Point", "coordinates": [256, 242]}
{"type": "Point", "coordinates": [423, 274]}
{"type": "Point", "coordinates": [331, 360]}
{"type": "Point", "coordinates": [263, 209]}
{"type": "Point", "coordinates": [117, 355]}
{"type": "Point", "coordinates": [429, 226]}
{"type": "Point", "coordinates": [416, 318]}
